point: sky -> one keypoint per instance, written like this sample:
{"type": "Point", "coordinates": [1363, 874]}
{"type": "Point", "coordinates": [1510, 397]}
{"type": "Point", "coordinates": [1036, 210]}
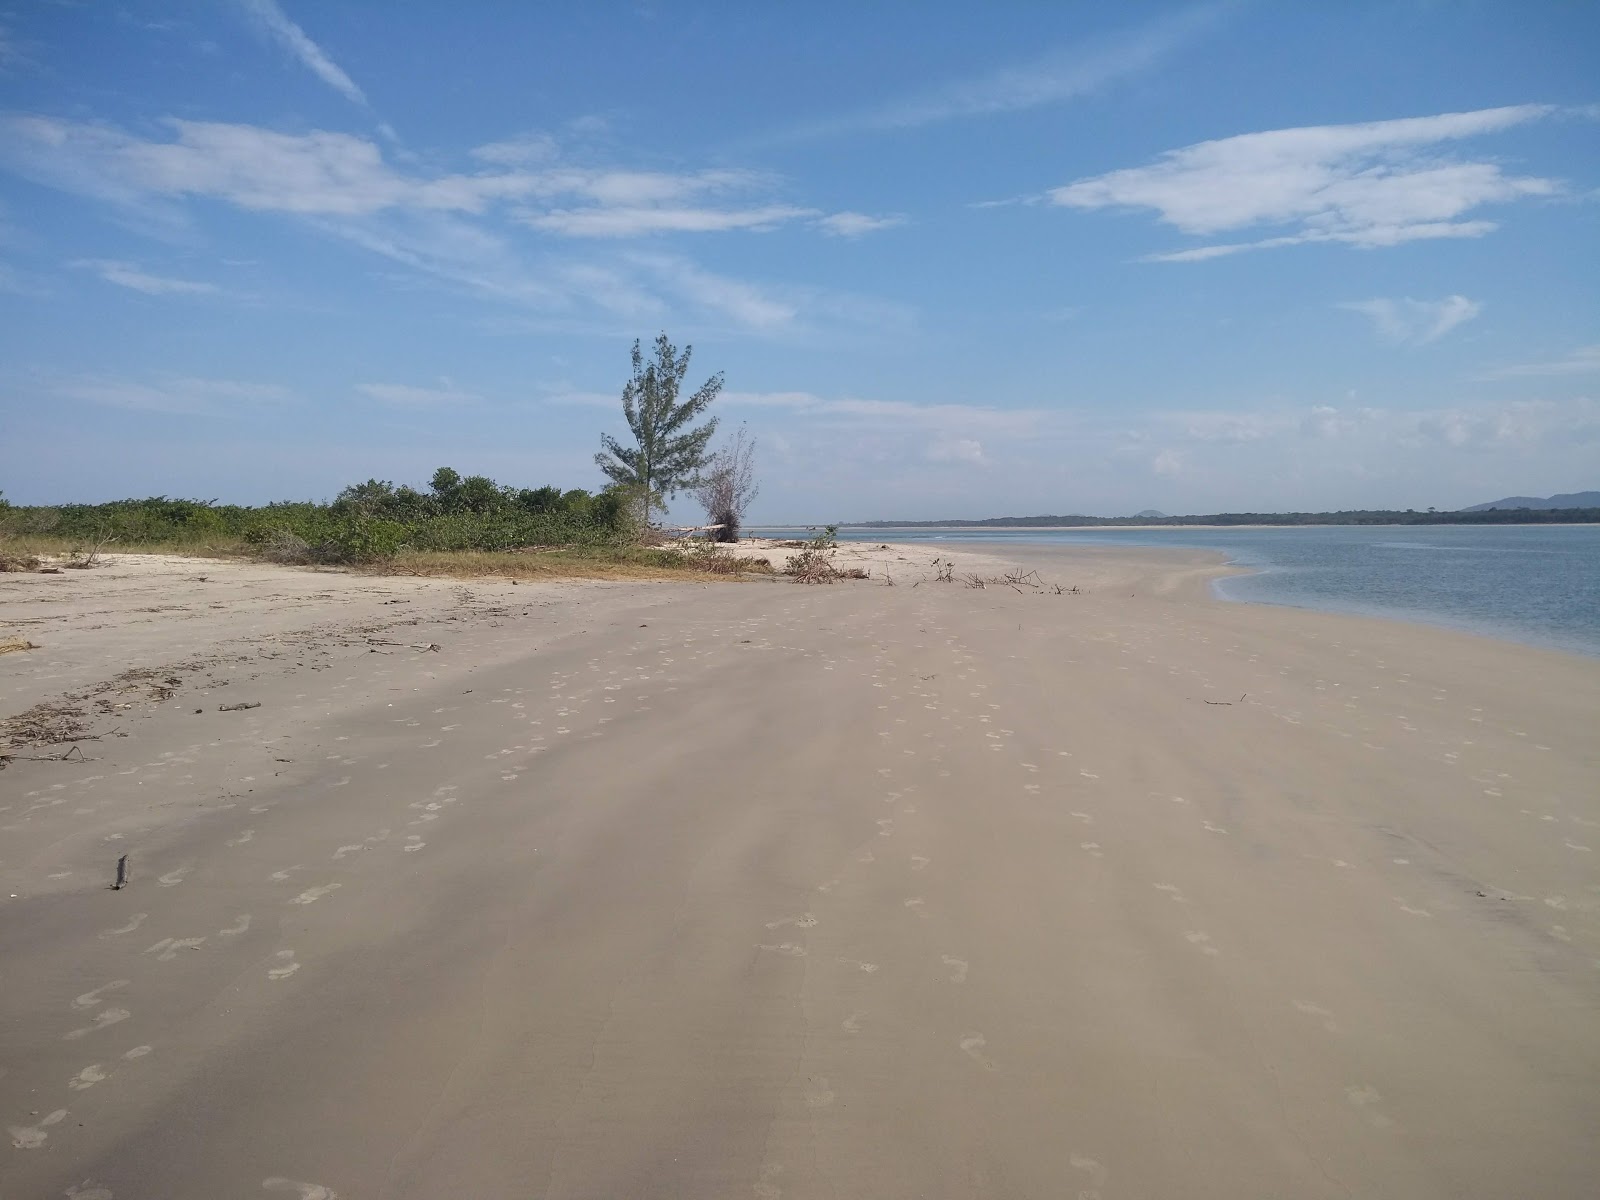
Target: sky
{"type": "Point", "coordinates": [953, 260]}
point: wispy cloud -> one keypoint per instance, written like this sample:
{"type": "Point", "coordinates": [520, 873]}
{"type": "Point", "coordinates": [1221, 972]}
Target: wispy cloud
{"type": "Point", "coordinates": [607, 222]}
{"type": "Point", "coordinates": [175, 396]}
{"type": "Point", "coordinates": [128, 275]}
{"type": "Point", "coordinates": [272, 22]}
{"type": "Point", "coordinates": [341, 175]}
{"type": "Point", "coordinates": [467, 230]}
{"type": "Point", "coordinates": [854, 224]}
{"type": "Point", "coordinates": [743, 303]}
{"type": "Point", "coordinates": [446, 395]}
{"type": "Point", "coordinates": [1375, 184]}
{"type": "Point", "coordinates": [1582, 361]}
{"type": "Point", "coordinates": [1415, 322]}
{"type": "Point", "coordinates": [1060, 75]}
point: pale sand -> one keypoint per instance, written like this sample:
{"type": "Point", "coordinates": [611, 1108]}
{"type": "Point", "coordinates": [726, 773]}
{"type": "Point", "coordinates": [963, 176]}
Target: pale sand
{"type": "Point", "coordinates": [760, 890]}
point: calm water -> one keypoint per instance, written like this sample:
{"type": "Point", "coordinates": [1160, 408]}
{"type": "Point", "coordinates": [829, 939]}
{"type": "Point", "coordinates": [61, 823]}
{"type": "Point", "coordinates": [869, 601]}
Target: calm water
{"type": "Point", "coordinates": [1537, 584]}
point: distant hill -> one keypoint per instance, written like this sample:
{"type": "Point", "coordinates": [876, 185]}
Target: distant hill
{"type": "Point", "coordinates": [1154, 514]}
{"type": "Point", "coordinates": [1566, 500]}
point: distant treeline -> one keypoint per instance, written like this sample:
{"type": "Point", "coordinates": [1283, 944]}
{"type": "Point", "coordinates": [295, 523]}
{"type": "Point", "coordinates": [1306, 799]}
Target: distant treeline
{"type": "Point", "coordinates": [366, 521]}
{"type": "Point", "coordinates": [1492, 516]}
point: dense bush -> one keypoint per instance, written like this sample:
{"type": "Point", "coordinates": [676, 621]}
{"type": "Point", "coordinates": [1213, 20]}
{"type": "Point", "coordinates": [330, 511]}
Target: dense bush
{"type": "Point", "coordinates": [366, 522]}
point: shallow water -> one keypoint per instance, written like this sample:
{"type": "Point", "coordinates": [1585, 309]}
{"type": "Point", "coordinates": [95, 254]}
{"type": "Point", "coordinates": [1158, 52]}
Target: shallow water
{"type": "Point", "coordinates": [1538, 584]}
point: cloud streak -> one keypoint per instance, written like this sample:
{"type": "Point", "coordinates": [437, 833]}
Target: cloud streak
{"type": "Point", "coordinates": [1379, 183]}
{"type": "Point", "coordinates": [1415, 322]}
{"type": "Point", "coordinates": [273, 23]}
{"type": "Point", "coordinates": [128, 275]}
{"type": "Point", "coordinates": [1582, 361]}
{"type": "Point", "coordinates": [401, 395]}
{"type": "Point", "coordinates": [1061, 75]}
{"type": "Point", "coordinates": [174, 396]}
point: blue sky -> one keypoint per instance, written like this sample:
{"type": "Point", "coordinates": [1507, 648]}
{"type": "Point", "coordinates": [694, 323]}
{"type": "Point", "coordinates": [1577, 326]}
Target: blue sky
{"type": "Point", "coordinates": [954, 260]}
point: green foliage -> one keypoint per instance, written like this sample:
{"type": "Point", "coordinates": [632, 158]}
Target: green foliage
{"type": "Point", "coordinates": [366, 522]}
{"type": "Point", "coordinates": [667, 452]}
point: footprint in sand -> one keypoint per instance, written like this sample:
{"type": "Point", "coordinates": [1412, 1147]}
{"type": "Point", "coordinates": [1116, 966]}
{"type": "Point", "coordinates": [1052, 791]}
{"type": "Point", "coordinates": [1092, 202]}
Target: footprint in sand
{"type": "Point", "coordinates": [790, 949]}
{"type": "Point", "coordinates": [1093, 848]}
{"type": "Point", "coordinates": [1406, 908]}
{"type": "Point", "coordinates": [312, 895]}
{"type": "Point", "coordinates": [243, 838]}
{"type": "Point", "coordinates": [958, 968]}
{"type": "Point", "coordinates": [915, 904]}
{"type": "Point", "coordinates": [1317, 1011]}
{"type": "Point", "coordinates": [1201, 941]}
{"type": "Point", "coordinates": [134, 922]}
{"type": "Point", "coordinates": [175, 876]}
{"type": "Point", "coordinates": [413, 842]}
{"type": "Point", "coordinates": [102, 1019]}
{"type": "Point", "coordinates": [972, 1045]}
{"type": "Point", "coordinates": [305, 1191]}
{"type": "Point", "coordinates": [283, 875]}
{"type": "Point", "coordinates": [818, 1093]}
{"type": "Point", "coordinates": [1082, 816]}
{"type": "Point", "coordinates": [92, 999]}
{"type": "Point", "coordinates": [867, 967]}
{"type": "Point", "coordinates": [286, 965]}
{"type": "Point", "coordinates": [87, 1078]}
{"type": "Point", "coordinates": [168, 947]}
{"type": "Point", "coordinates": [918, 862]}
{"type": "Point", "coordinates": [803, 921]}
{"type": "Point", "coordinates": [852, 1023]}
{"type": "Point", "coordinates": [1210, 828]}
{"type": "Point", "coordinates": [1172, 891]}
{"type": "Point", "coordinates": [240, 925]}
{"type": "Point", "coordinates": [87, 1190]}
{"type": "Point", "coordinates": [1363, 1099]}
{"type": "Point", "coordinates": [1097, 1173]}
{"type": "Point", "coordinates": [31, 1137]}
{"type": "Point", "coordinates": [765, 1188]}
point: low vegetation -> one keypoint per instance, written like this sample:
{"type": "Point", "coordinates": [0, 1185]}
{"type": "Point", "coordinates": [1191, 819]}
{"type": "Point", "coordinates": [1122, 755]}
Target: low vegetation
{"type": "Point", "coordinates": [456, 525]}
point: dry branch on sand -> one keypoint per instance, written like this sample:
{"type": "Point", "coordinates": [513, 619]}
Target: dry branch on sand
{"type": "Point", "coordinates": [48, 724]}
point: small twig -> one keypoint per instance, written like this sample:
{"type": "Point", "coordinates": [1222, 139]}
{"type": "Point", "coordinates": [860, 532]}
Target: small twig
{"type": "Point", "coordinates": [240, 707]}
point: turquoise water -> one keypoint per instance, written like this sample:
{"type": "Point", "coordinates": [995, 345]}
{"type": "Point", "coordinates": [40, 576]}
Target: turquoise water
{"type": "Point", "coordinates": [1532, 583]}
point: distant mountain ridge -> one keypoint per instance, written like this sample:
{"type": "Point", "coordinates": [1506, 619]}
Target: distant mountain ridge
{"type": "Point", "coordinates": [1565, 500]}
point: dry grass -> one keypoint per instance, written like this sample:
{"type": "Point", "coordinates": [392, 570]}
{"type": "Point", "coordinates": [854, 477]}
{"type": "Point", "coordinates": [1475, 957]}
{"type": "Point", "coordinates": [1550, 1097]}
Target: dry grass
{"type": "Point", "coordinates": [637, 563]}
{"type": "Point", "coordinates": [37, 547]}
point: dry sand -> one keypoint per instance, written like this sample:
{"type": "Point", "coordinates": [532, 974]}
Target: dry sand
{"type": "Point", "coordinates": [760, 890]}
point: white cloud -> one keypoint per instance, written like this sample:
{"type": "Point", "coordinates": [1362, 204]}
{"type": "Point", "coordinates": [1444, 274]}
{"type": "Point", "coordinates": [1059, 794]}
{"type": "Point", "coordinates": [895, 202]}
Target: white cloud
{"type": "Point", "coordinates": [744, 303]}
{"type": "Point", "coordinates": [956, 450]}
{"type": "Point", "coordinates": [341, 175]}
{"type": "Point", "coordinates": [1415, 322]}
{"type": "Point", "coordinates": [854, 224]}
{"type": "Point", "coordinates": [177, 396]}
{"type": "Point", "coordinates": [457, 228]}
{"type": "Point", "coordinates": [1168, 464]}
{"type": "Point", "coordinates": [520, 151]}
{"type": "Point", "coordinates": [275, 24]}
{"type": "Point", "coordinates": [1062, 74]}
{"type": "Point", "coordinates": [129, 276]}
{"type": "Point", "coordinates": [1375, 184]}
{"type": "Point", "coordinates": [406, 396]}
{"type": "Point", "coordinates": [1581, 361]}
{"type": "Point", "coordinates": [603, 222]}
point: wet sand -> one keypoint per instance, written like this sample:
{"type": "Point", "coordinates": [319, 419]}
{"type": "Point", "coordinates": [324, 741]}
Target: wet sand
{"type": "Point", "coordinates": [761, 890]}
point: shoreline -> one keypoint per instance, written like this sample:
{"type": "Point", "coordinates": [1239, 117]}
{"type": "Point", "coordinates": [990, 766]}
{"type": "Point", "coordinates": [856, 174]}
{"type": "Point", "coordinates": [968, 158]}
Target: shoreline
{"type": "Point", "coordinates": [1513, 634]}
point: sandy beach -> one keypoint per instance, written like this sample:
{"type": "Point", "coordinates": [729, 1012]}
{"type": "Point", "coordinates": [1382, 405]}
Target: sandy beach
{"type": "Point", "coordinates": [768, 891]}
